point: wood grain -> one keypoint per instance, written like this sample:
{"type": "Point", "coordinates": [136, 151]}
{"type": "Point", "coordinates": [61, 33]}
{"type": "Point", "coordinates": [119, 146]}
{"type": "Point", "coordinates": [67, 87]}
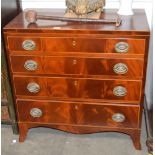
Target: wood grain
{"type": "Point", "coordinates": [75, 73]}
{"type": "Point", "coordinates": [49, 45]}
{"type": "Point", "coordinates": [77, 66]}
{"type": "Point", "coordinates": [70, 88]}
{"type": "Point", "coordinates": [78, 114]}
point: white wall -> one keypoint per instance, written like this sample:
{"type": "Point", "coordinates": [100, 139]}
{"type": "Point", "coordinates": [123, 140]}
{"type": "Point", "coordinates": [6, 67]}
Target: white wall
{"type": "Point", "coordinates": [145, 4]}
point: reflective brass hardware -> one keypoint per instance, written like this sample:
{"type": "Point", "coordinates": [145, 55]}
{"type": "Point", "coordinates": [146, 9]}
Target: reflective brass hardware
{"type": "Point", "coordinates": [74, 62]}
{"type": "Point", "coordinates": [121, 47]}
{"type": "Point", "coordinates": [75, 83]}
{"type": "Point", "coordinates": [74, 43]}
{"type": "Point", "coordinates": [120, 91]}
{"type": "Point", "coordinates": [120, 68]}
{"type": "Point", "coordinates": [33, 87]}
{"type": "Point", "coordinates": [118, 118]}
{"type": "Point", "coordinates": [76, 107]}
{"type": "Point", "coordinates": [29, 45]}
{"type": "Point", "coordinates": [36, 112]}
{"type": "Point", "coordinates": [30, 65]}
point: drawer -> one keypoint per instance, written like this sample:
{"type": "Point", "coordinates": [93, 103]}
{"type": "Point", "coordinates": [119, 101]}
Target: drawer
{"type": "Point", "coordinates": [28, 44]}
{"type": "Point", "coordinates": [111, 115]}
{"type": "Point", "coordinates": [51, 45]}
{"type": "Point", "coordinates": [71, 88]}
{"type": "Point", "coordinates": [79, 114]}
{"type": "Point", "coordinates": [96, 45]}
{"type": "Point", "coordinates": [45, 112]}
{"type": "Point", "coordinates": [77, 66]}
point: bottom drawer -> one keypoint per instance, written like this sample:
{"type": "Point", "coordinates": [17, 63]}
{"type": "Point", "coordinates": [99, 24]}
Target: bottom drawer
{"type": "Point", "coordinates": [111, 115]}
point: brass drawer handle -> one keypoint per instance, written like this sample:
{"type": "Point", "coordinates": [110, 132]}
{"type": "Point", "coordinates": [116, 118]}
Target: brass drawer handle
{"type": "Point", "coordinates": [122, 47]}
{"type": "Point", "coordinates": [120, 91]}
{"type": "Point", "coordinates": [36, 112]}
{"type": "Point", "coordinates": [118, 117]}
{"type": "Point", "coordinates": [74, 43]}
{"type": "Point", "coordinates": [120, 68]}
{"type": "Point", "coordinates": [33, 87]}
{"type": "Point", "coordinates": [31, 65]}
{"type": "Point", "coordinates": [29, 45]}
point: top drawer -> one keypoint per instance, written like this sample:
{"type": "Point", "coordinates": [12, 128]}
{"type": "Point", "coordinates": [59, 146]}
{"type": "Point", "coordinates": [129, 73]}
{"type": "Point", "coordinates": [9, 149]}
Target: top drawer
{"type": "Point", "coordinates": [49, 45]}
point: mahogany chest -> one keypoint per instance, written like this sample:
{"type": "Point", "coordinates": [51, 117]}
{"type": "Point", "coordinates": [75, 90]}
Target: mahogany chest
{"type": "Point", "coordinates": [79, 77]}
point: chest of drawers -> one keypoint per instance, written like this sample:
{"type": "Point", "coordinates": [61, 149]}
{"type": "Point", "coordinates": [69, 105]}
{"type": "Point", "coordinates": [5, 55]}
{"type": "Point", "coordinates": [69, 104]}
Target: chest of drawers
{"type": "Point", "coordinates": [79, 77]}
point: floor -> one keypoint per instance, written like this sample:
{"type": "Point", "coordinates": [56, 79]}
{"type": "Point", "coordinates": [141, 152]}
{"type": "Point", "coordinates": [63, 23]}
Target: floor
{"type": "Point", "coordinates": [44, 141]}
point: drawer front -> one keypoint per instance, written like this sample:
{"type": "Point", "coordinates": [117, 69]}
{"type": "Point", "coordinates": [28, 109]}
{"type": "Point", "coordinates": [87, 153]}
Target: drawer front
{"type": "Point", "coordinates": [108, 115]}
{"type": "Point", "coordinates": [27, 44]}
{"type": "Point", "coordinates": [77, 66]}
{"type": "Point", "coordinates": [50, 45]}
{"type": "Point", "coordinates": [46, 112]}
{"type": "Point", "coordinates": [80, 114]}
{"type": "Point", "coordinates": [125, 46]}
{"type": "Point", "coordinates": [65, 88]}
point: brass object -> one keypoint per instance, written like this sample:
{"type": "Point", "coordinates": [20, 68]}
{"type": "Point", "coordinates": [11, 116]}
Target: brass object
{"type": "Point", "coordinates": [120, 91]}
{"type": "Point", "coordinates": [33, 87]}
{"type": "Point", "coordinates": [75, 83]}
{"type": "Point", "coordinates": [84, 8]}
{"type": "Point", "coordinates": [120, 68]}
{"type": "Point", "coordinates": [36, 112]}
{"type": "Point", "coordinates": [122, 47]}
{"type": "Point", "coordinates": [30, 65]}
{"type": "Point", "coordinates": [29, 45]}
{"type": "Point", "coordinates": [76, 107]}
{"type": "Point", "coordinates": [74, 43]}
{"type": "Point", "coordinates": [118, 117]}
{"type": "Point", "coordinates": [74, 62]}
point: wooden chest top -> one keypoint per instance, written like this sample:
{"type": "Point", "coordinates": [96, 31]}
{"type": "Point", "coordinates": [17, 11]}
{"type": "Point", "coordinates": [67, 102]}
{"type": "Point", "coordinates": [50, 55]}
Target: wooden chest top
{"type": "Point", "coordinates": [132, 25]}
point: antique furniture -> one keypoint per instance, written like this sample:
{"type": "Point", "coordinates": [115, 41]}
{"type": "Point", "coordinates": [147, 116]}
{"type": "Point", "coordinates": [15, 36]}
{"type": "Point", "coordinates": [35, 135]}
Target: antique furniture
{"type": "Point", "coordinates": [79, 77]}
{"type": "Point", "coordinates": [9, 9]}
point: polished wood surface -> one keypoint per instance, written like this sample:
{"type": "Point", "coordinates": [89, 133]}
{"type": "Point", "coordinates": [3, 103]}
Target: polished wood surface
{"type": "Point", "coordinates": [83, 67]}
{"type": "Point", "coordinates": [132, 25]}
{"type": "Point", "coordinates": [79, 114]}
{"type": "Point", "coordinates": [49, 45]}
{"type": "Point", "coordinates": [80, 89]}
{"type": "Point", "coordinates": [75, 73]}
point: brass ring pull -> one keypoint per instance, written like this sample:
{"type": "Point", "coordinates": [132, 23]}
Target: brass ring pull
{"type": "Point", "coordinates": [36, 112]}
{"type": "Point", "coordinates": [118, 117]}
{"type": "Point", "coordinates": [120, 68]}
{"type": "Point", "coordinates": [122, 47]}
{"type": "Point", "coordinates": [33, 87]}
{"type": "Point", "coordinates": [120, 91]}
{"type": "Point", "coordinates": [30, 65]}
{"type": "Point", "coordinates": [29, 45]}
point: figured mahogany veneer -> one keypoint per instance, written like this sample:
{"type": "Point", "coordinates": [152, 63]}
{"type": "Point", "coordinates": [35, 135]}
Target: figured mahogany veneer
{"type": "Point", "coordinates": [77, 66]}
{"type": "Point", "coordinates": [75, 44]}
{"type": "Point", "coordinates": [79, 114]}
{"type": "Point", "coordinates": [79, 77]}
{"type": "Point", "coordinates": [70, 88]}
